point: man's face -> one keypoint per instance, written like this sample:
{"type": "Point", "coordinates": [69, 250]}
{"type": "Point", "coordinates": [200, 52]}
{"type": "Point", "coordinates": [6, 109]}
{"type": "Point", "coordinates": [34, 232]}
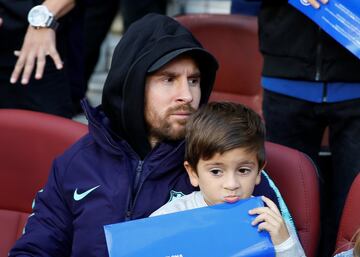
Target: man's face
{"type": "Point", "coordinates": [171, 95]}
{"type": "Point", "coordinates": [226, 177]}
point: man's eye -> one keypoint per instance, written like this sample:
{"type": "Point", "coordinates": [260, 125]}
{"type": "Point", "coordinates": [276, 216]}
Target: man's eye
{"type": "Point", "coordinates": [216, 172]}
{"type": "Point", "coordinates": [168, 79]}
{"type": "Point", "coordinates": [194, 81]}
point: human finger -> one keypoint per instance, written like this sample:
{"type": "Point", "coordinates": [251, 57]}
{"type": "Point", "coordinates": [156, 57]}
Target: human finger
{"type": "Point", "coordinates": [40, 65]}
{"type": "Point", "coordinates": [316, 4]}
{"type": "Point", "coordinates": [278, 231]}
{"type": "Point", "coordinates": [262, 210]}
{"type": "Point", "coordinates": [28, 69]}
{"type": "Point", "coordinates": [271, 205]}
{"type": "Point", "coordinates": [269, 227]}
{"type": "Point", "coordinates": [56, 58]}
{"type": "Point", "coordinates": [265, 217]}
{"type": "Point", "coordinates": [17, 69]}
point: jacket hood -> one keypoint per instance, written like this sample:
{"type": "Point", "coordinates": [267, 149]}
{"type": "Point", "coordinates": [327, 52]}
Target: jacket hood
{"type": "Point", "coordinates": [144, 43]}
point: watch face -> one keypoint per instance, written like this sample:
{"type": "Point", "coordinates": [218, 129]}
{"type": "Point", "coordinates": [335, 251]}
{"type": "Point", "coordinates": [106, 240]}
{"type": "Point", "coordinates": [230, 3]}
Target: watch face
{"type": "Point", "coordinates": [38, 16]}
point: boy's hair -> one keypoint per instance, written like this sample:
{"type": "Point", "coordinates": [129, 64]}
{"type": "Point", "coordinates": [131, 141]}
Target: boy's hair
{"type": "Point", "coordinates": [222, 126]}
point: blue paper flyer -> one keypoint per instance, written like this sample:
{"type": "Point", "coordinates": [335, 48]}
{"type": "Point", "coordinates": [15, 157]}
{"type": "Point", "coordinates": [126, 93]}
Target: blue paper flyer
{"type": "Point", "coordinates": [222, 230]}
{"type": "Point", "coordinates": [339, 18]}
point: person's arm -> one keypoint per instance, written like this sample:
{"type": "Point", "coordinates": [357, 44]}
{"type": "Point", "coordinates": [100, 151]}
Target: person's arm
{"type": "Point", "coordinates": [291, 247]}
{"type": "Point", "coordinates": [38, 43]}
{"type": "Point", "coordinates": [283, 236]}
{"type": "Point", "coordinates": [48, 231]}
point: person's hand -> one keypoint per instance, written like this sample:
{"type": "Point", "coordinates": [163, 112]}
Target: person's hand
{"type": "Point", "coordinates": [270, 219]}
{"type": "Point", "coordinates": [316, 4]}
{"type": "Point", "coordinates": [1, 21]}
{"type": "Point", "coordinates": [38, 43]}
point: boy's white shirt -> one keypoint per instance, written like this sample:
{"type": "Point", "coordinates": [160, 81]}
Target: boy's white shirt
{"type": "Point", "coordinates": [348, 253]}
{"type": "Point", "coordinates": [289, 248]}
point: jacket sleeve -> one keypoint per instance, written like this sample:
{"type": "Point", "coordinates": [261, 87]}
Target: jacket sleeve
{"type": "Point", "coordinates": [48, 231]}
{"type": "Point", "coordinates": [291, 247]}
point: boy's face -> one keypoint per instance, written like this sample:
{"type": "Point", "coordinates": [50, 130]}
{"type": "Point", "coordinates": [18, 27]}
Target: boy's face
{"type": "Point", "coordinates": [226, 177]}
{"type": "Point", "coordinates": [171, 95]}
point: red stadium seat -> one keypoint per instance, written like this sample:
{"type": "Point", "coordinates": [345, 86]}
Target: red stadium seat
{"type": "Point", "coordinates": [234, 42]}
{"type": "Point", "coordinates": [350, 218]}
{"type": "Point", "coordinates": [29, 141]}
{"type": "Point", "coordinates": [296, 177]}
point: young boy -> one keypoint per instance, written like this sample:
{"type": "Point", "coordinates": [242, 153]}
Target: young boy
{"type": "Point", "coordinates": [224, 157]}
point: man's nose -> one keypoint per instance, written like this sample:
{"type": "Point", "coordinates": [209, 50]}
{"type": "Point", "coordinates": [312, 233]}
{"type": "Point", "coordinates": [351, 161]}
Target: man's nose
{"type": "Point", "coordinates": [184, 93]}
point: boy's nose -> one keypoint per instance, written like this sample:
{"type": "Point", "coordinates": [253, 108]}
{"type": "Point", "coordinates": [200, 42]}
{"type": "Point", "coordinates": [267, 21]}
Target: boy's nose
{"type": "Point", "coordinates": [231, 183]}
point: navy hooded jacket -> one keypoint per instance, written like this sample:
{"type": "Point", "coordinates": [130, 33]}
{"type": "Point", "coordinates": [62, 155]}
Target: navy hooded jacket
{"type": "Point", "coordinates": [107, 176]}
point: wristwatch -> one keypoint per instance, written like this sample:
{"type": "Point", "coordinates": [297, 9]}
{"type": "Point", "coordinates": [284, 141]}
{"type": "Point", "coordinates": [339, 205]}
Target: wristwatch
{"type": "Point", "coordinates": [40, 17]}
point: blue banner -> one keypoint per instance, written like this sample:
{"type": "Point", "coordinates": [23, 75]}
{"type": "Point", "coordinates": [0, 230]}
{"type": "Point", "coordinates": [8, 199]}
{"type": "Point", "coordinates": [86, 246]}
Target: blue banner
{"type": "Point", "coordinates": [222, 230]}
{"type": "Point", "coordinates": [339, 18]}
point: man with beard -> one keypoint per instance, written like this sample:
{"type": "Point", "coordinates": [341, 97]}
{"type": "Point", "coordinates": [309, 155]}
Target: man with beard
{"type": "Point", "coordinates": [131, 162]}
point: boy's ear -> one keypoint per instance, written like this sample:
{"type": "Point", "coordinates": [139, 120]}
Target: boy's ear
{"type": "Point", "coordinates": [258, 178]}
{"type": "Point", "coordinates": [265, 162]}
{"type": "Point", "coordinates": [194, 180]}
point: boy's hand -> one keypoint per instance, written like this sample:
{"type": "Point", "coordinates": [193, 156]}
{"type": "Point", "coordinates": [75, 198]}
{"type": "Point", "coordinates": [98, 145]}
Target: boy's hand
{"type": "Point", "coordinates": [270, 219]}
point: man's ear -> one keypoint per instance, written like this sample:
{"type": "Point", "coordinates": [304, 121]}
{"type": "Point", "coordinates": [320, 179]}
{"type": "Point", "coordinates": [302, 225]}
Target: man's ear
{"type": "Point", "coordinates": [258, 178]}
{"type": "Point", "coordinates": [194, 179]}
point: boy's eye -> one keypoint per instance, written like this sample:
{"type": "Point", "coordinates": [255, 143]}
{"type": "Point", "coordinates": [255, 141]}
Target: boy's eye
{"type": "Point", "coordinates": [216, 172]}
{"type": "Point", "coordinates": [244, 171]}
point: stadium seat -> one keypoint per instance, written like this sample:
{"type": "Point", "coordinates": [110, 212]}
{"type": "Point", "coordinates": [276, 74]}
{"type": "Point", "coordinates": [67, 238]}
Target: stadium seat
{"type": "Point", "coordinates": [296, 177]}
{"type": "Point", "coordinates": [234, 42]}
{"type": "Point", "coordinates": [350, 218]}
{"type": "Point", "coordinates": [29, 141]}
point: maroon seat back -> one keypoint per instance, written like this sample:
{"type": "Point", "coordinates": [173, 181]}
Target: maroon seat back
{"type": "Point", "coordinates": [296, 177]}
{"type": "Point", "coordinates": [29, 141]}
{"type": "Point", "coordinates": [350, 218]}
{"type": "Point", "coordinates": [233, 40]}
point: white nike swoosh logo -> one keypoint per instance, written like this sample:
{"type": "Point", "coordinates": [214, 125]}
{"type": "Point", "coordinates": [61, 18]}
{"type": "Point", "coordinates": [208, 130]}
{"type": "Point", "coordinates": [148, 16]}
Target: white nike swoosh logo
{"type": "Point", "coordinates": [78, 197]}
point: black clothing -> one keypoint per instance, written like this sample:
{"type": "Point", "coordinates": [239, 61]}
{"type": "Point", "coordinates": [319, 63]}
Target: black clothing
{"type": "Point", "coordinates": [312, 56]}
{"type": "Point", "coordinates": [52, 93]}
{"type": "Point", "coordinates": [296, 48]}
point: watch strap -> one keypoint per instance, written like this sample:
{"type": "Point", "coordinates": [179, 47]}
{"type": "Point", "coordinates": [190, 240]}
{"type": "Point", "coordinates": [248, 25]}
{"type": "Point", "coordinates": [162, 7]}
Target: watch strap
{"type": "Point", "coordinates": [53, 24]}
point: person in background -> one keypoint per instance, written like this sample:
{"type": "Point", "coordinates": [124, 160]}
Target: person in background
{"type": "Point", "coordinates": [311, 82]}
{"type": "Point", "coordinates": [31, 68]}
{"type": "Point", "coordinates": [355, 251]}
{"type": "Point", "coordinates": [224, 157]}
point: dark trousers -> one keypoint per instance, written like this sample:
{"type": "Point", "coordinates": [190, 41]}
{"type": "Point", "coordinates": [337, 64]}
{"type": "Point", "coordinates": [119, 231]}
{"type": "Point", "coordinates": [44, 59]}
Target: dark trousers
{"type": "Point", "coordinates": [51, 94]}
{"type": "Point", "coordinates": [300, 124]}
{"type": "Point", "coordinates": [99, 16]}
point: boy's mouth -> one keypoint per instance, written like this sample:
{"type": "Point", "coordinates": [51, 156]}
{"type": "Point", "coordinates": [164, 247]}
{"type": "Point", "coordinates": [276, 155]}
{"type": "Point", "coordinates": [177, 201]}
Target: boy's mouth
{"type": "Point", "coordinates": [231, 198]}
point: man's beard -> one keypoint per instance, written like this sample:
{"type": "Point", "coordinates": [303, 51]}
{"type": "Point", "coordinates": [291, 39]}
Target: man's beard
{"type": "Point", "coordinates": [161, 128]}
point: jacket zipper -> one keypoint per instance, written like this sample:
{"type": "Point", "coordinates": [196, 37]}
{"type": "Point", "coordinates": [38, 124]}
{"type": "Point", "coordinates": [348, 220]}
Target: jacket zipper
{"type": "Point", "coordinates": [133, 190]}
{"type": "Point", "coordinates": [138, 175]}
{"type": "Point", "coordinates": [131, 204]}
{"type": "Point", "coordinates": [318, 56]}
